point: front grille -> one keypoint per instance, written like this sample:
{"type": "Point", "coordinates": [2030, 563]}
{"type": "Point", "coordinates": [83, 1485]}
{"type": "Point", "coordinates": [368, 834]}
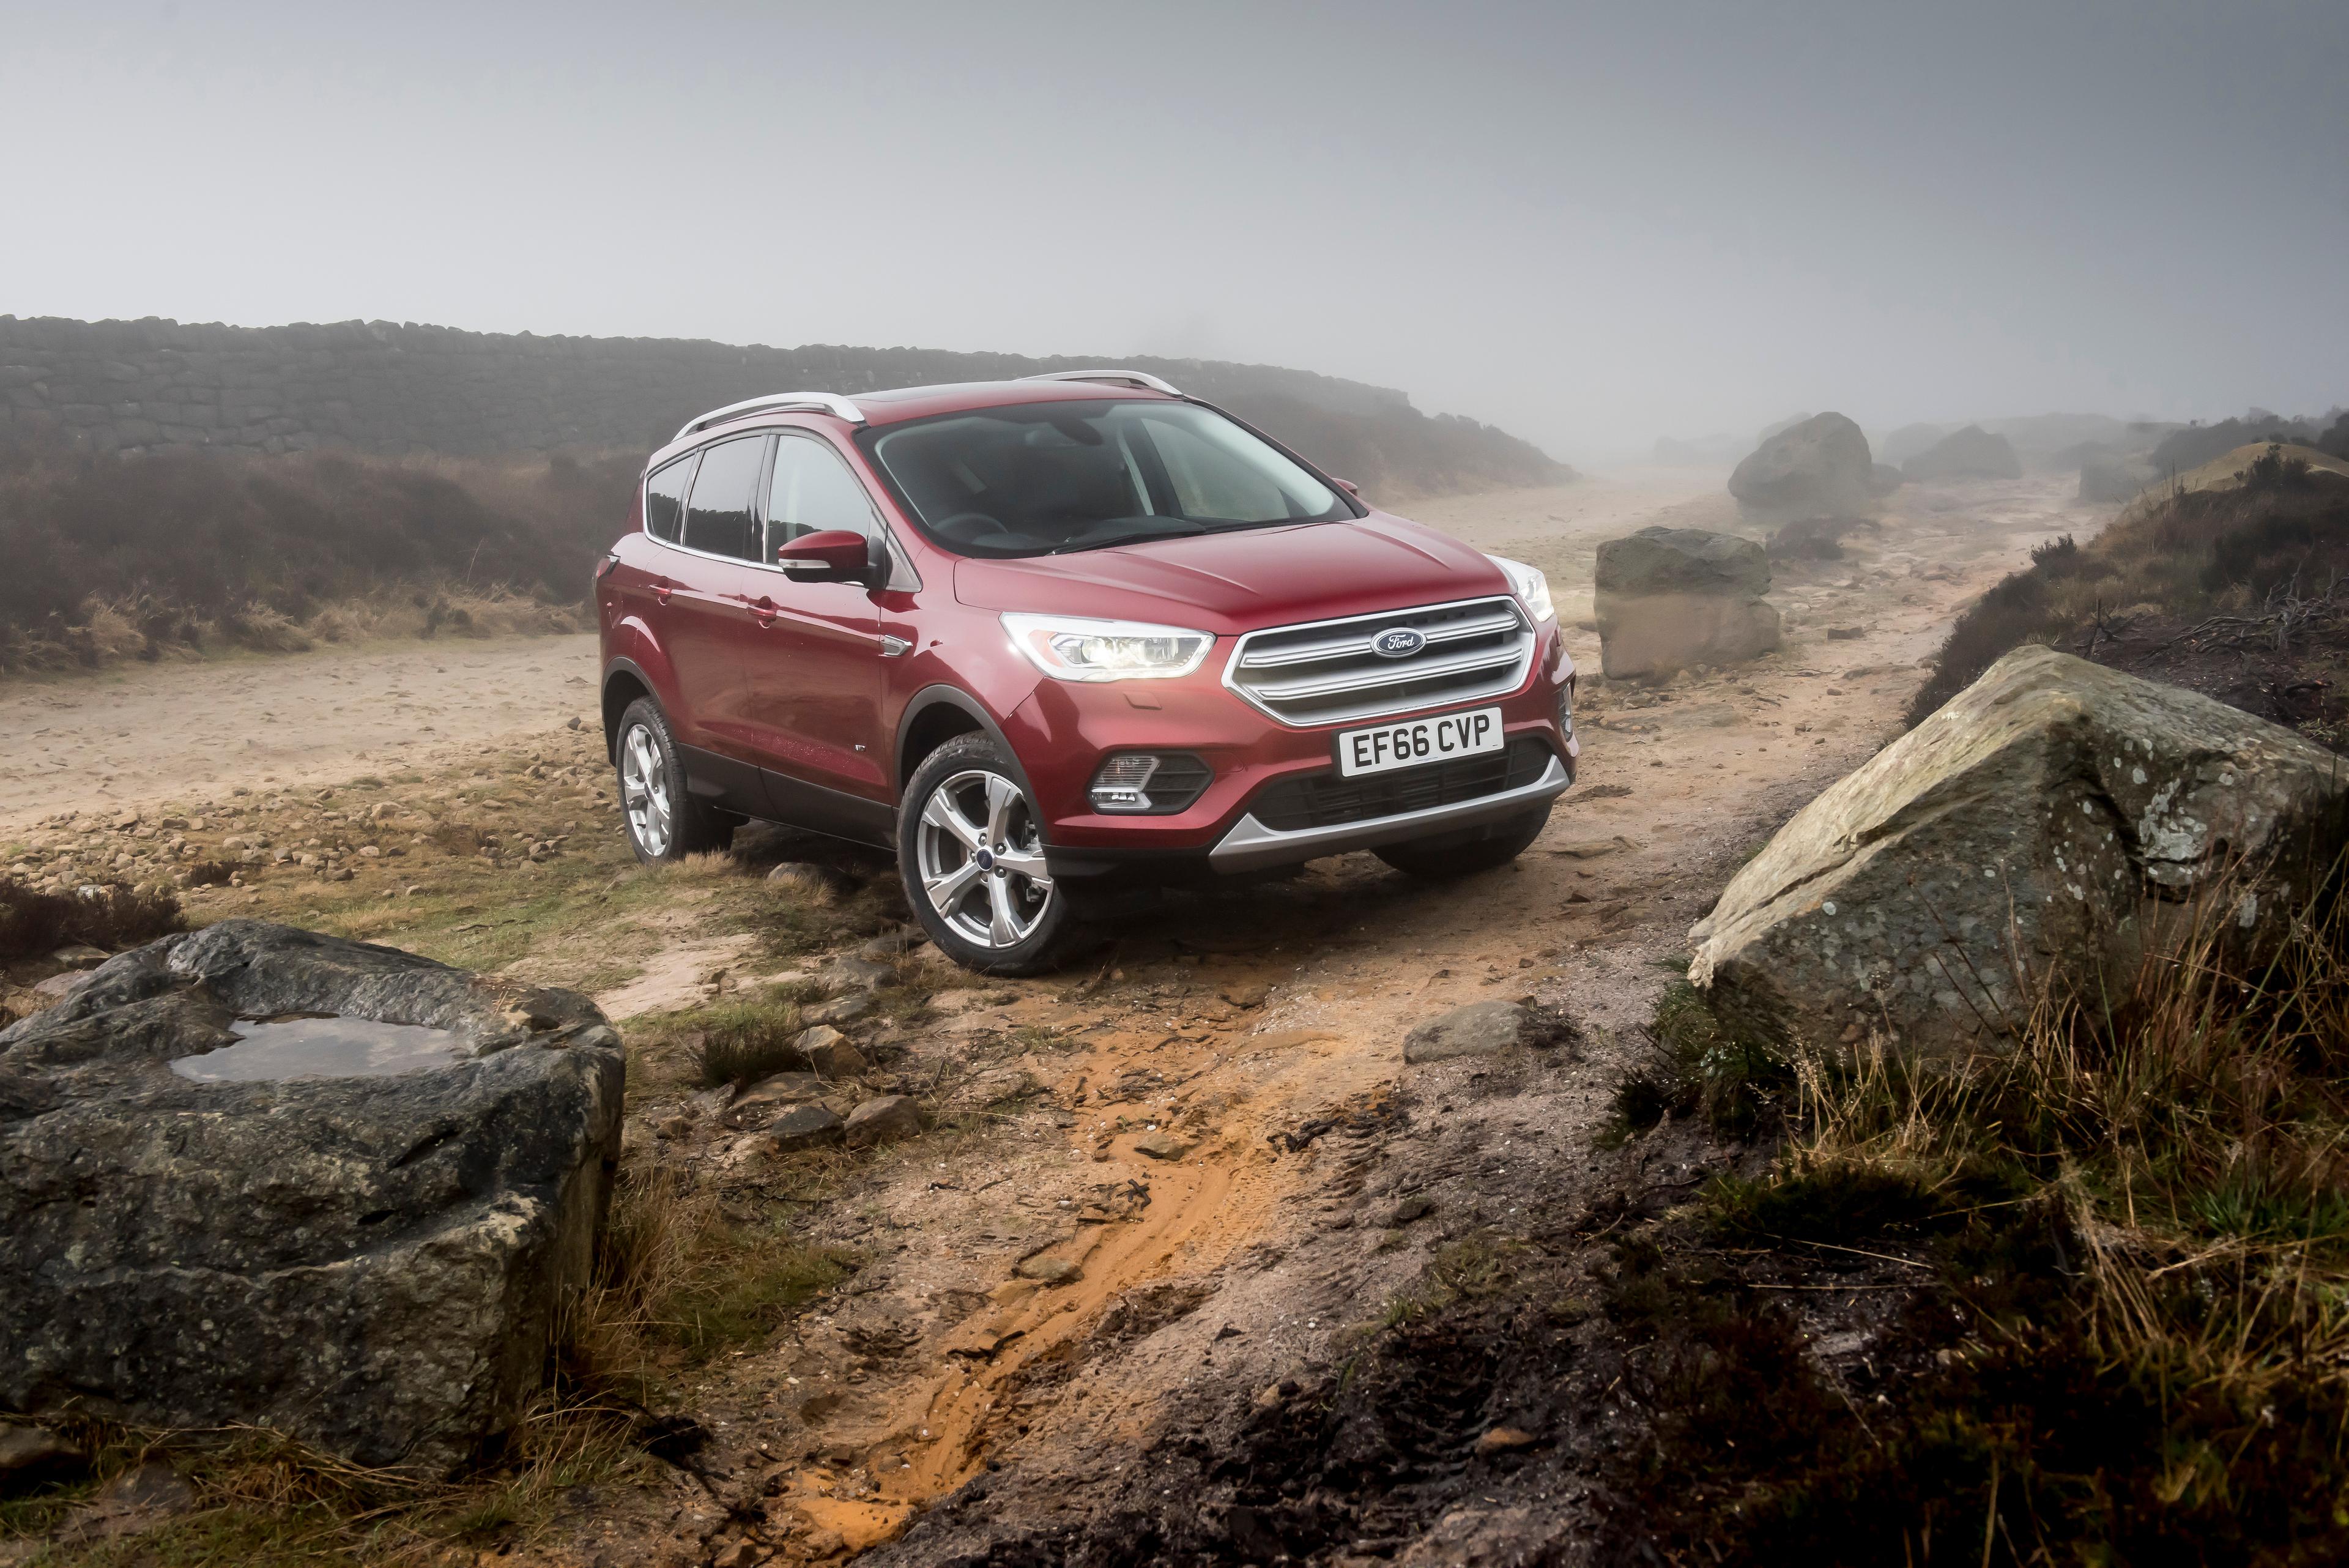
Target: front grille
{"type": "Point", "coordinates": [1328, 672]}
{"type": "Point", "coordinates": [1326, 800]}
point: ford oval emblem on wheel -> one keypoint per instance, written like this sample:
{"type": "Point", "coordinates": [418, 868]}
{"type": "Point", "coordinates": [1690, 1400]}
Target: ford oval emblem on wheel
{"type": "Point", "coordinates": [1397, 642]}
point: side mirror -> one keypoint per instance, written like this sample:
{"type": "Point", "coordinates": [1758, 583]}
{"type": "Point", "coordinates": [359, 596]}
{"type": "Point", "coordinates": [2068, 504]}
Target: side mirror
{"type": "Point", "coordinates": [1348, 485]}
{"type": "Point", "coordinates": [832, 554]}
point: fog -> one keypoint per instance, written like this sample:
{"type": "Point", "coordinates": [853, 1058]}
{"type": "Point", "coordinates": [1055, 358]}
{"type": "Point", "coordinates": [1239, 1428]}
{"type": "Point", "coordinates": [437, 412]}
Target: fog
{"type": "Point", "coordinates": [1590, 224]}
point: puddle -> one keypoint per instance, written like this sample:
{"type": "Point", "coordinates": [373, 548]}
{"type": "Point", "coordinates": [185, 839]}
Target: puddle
{"type": "Point", "coordinates": [324, 1046]}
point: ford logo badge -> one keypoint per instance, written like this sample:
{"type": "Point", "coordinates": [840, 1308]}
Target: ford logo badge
{"type": "Point", "coordinates": [1397, 642]}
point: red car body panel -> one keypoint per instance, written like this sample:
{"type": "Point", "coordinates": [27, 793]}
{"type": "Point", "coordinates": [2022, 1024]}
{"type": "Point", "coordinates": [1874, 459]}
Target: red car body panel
{"type": "Point", "coordinates": [789, 677]}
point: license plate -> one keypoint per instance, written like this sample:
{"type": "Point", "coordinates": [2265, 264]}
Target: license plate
{"type": "Point", "coordinates": [1415, 742]}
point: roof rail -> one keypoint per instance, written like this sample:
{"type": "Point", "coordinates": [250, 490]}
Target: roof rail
{"type": "Point", "coordinates": [801, 402]}
{"type": "Point", "coordinates": [1116, 377]}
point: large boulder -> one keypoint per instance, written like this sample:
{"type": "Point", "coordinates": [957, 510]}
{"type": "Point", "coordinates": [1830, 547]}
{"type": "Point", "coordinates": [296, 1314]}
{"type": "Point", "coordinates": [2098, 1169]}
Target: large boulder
{"type": "Point", "coordinates": [1973, 452]}
{"type": "Point", "coordinates": [1818, 468]}
{"type": "Point", "coordinates": [370, 1258]}
{"type": "Point", "coordinates": [1666, 598]}
{"type": "Point", "coordinates": [2051, 820]}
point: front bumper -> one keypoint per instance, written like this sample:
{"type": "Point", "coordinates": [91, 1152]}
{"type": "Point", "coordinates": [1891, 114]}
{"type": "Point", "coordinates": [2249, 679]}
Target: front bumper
{"type": "Point", "coordinates": [1251, 846]}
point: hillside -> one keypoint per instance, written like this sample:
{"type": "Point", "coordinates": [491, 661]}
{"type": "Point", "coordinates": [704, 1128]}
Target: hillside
{"type": "Point", "coordinates": [390, 389]}
{"type": "Point", "coordinates": [165, 488]}
{"type": "Point", "coordinates": [2229, 583]}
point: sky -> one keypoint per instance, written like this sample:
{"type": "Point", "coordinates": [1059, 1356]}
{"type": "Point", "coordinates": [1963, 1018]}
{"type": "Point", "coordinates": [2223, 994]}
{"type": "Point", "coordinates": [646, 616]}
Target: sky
{"type": "Point", "coordinates": [1590, 224]}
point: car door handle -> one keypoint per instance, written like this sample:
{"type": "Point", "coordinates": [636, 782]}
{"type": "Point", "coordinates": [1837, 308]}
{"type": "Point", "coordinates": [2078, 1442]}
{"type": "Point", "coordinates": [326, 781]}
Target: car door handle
{"type": "Point", "coordinates": [765, 611]}
{"type": "Point", "coordinates": [662, 589]}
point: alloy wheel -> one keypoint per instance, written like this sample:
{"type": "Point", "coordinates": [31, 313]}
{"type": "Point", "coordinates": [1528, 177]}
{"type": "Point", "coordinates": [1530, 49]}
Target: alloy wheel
{"type": "Point", "coordinates": [644, 789]}
{"type": "Point", "coordinates": [981, 854]}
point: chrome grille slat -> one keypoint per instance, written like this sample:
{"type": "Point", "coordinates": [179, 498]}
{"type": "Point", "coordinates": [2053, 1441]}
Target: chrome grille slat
{"type": "Point", "coordinates": [1371, 680]}
{"type": "Point", "coordinates": [1475, 649]}
{"type": "Point", "coordinates": [1315, 652]}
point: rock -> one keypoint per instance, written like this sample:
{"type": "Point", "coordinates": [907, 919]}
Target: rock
{"type": "Point", "coordinates": [1969, 453]}
{"type": "Point", "coordinates": [1500, 1439]}
{"type": "Point", "coordinates": [1478, 1029]}
{"type": "Point", "coordinates": [847, 973]}
{"type": "Point", "coordinates": [762, 1099]}
{"type": "Point", "coordinates": [829, 1053]}
{"type": "Point", "coordinates": [78, 955]}
{"type": "Point", "coordinates": [1883, 478]}
{"type": "Point", "coordinates": [55, 987]}
{"type": "Point", "coordinates": [1161, 1144]}
{"type": "Point", "coordinates": [1049, 1271]}
{"type": "Point", "coordinates": [804, 1127]}
{"type": "Point", "coordinates": [34, 1456]}
{"type": "Point", "coordinates": [1670, 599]}
{"type": "Point", "coordinates": [840, 1009]}
{"type": "Point", "coordinates": [1414, 1207]}
{"type": "Point", "coordinates": [884, 1120]}
{"type": "Point", "coordinates": [1245, 992]}
{"type": "Point", "coordinates": [1819, 467]}
{"type": "Point", "coordinates": [2055, 809]}
{"type": "Point", "coordinates": [135, 1502]}
{"type": "Point", "coordinates": [369, 1264]}
{"type": "Point", "coordinates": [893, 945]}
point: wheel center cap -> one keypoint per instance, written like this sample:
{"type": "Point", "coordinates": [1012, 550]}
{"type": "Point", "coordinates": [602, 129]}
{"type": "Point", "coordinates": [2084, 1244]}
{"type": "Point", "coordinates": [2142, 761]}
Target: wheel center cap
{"type": "Point", "coordinates": [985, 858]}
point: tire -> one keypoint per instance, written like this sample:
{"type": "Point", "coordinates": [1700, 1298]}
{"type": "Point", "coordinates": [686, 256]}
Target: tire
{"type": "Point", "coordinates": [665, 823]}
{"type": "Point", "coordinates": [970, 853]}
{"type": "Point", "coordinates": [1469, 850]}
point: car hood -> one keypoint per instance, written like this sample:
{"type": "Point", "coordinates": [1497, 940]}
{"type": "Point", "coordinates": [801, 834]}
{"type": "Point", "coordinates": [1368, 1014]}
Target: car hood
{"type": "Point", "coordinates": [1241, 581]}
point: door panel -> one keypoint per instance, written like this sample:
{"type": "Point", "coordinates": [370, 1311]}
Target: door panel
{"type": "Point", "coordinates": [708, 613]}
{"type": "Point", "coordinates": [811, 702]}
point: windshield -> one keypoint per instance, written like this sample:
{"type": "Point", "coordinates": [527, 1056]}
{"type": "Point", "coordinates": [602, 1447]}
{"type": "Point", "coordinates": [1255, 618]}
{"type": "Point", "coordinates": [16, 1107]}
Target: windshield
{"type": "Point", "coordinates": [1048, 478]}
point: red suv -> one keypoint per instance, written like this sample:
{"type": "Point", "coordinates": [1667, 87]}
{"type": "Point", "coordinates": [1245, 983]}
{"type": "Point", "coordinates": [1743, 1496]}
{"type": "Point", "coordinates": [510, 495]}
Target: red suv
{"type": "Point", "coordinates": [1049, 637]}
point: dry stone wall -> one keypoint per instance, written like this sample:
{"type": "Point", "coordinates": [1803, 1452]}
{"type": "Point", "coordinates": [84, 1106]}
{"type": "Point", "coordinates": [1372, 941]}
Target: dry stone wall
{"type": "Point", "coordinates": [391, 387]}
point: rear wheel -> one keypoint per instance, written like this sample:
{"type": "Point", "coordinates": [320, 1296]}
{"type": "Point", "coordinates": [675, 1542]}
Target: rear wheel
{"type": "Point", "coordinates": [970, 848]}
{"type": "Point", "coordinates": [1469, 850]}
{"type": "Point", "coordinates": [665, 823]}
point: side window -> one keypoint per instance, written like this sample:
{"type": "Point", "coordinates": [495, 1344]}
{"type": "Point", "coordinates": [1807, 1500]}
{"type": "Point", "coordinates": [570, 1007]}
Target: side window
{"type": "Point", "coordinates": [718, 517]}
{"type": "Point", "coordinates": [665, 500]}
{"type": "Point", "coordinates": [812, 491]}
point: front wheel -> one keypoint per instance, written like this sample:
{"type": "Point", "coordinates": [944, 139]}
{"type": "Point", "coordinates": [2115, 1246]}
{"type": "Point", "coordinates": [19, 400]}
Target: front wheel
{"type": "Point", "coordinates": [970, 848]}
{"type": "Point", "coordinates": [1469, 849]}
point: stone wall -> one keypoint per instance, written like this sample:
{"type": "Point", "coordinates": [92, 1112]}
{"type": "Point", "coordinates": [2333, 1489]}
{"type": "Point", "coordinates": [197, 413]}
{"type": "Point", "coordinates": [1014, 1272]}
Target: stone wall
{"type": "Point", "coordinates": [384, 386]}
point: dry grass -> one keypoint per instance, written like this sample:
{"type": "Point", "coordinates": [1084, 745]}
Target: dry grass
{"type": "Point", "coordinates": [34, 924]}
{"type": "Point", "coordinates": [2135, 1308]}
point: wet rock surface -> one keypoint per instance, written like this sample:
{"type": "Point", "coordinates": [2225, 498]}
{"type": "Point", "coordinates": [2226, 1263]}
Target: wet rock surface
{"type": "Point", "coordinates": [1669, 598]}
{"type": "Point", "coordinates": [370, 1263]}
{"type": "Point", "coordinates": [2053, 807]}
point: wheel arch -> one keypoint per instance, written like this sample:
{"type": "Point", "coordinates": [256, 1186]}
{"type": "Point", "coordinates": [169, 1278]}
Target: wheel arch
{"type": "Point", "coordinates": [624, 683]}
{"type": "Point", "coordinates": [935, 715]}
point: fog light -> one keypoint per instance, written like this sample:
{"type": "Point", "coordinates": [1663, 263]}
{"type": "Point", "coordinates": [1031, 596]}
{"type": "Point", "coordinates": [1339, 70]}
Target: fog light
{"type": "Point", "coordinates": [1122, 783]}
{"type": "Point", "coordinates": [1565, 709]}
{"type": "Point", "coordinates": [1155, 783]}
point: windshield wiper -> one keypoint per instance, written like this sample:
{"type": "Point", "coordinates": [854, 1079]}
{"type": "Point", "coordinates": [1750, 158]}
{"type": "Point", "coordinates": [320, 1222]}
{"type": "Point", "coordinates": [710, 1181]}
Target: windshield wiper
{"type": "Point", "coordinates": [1162, 528]}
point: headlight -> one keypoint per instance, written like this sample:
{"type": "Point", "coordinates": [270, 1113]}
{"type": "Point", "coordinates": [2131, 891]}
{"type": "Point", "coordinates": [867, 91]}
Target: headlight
{"type": "Point", "coordinates": [1070, 647]}
{"type": "Point", "coordinates": [1530, 585]}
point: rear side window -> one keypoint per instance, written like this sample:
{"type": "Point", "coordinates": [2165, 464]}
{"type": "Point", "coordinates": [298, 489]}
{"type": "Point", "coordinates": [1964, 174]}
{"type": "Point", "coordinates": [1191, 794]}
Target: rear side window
{"type": "Point", "coordinates": [717, 519]}
{"type": "Point", "coordinates": [812, 492]}
{"type": "Point", "coordinates": [665, 499]}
